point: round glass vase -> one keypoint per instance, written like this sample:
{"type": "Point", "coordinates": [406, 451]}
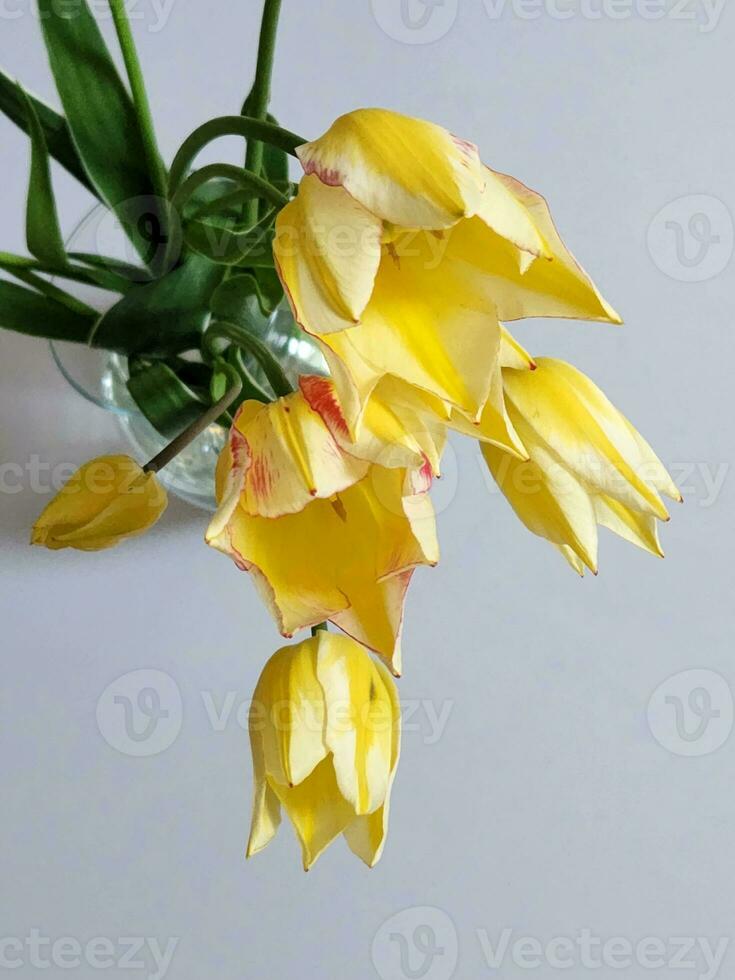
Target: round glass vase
{"type": "Point", "coordinates": [101, 376]}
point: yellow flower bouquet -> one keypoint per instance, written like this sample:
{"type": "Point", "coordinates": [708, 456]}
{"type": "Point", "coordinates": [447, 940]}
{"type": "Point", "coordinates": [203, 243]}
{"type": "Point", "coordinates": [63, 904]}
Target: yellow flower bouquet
{"type": "Point", "coordinates": [402, 257]}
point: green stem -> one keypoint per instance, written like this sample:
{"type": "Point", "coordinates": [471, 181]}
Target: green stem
{"type": "Point", "coordinates": [259, 187]}
{"type": "Point", "coordinates": [196, 428]}
{"type": "Point", "coordinates": [140, 98]}
{"type": "Point", "coordinates": [256, 104]}
{"type": "Point", "coordinates": [321, 628]}
{"type": "Point", "coordinates": [205, 134]}
{"type": "Point", "coordinates": [223, 330]}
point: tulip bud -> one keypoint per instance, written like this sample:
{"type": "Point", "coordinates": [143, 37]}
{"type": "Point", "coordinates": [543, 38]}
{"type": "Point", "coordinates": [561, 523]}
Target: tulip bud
{"type": "Point", "coordinates": [325, 734]}
{"type": "Point", "coordinates": [109, 499]}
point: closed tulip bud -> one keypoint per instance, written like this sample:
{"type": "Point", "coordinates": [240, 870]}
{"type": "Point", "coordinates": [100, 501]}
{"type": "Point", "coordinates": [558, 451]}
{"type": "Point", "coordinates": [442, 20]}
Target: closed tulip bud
{"type": "Point", "coordinates": [587, 465]}
{"type": "Point", "coordinates": [325, 738]}
{"type": "Point", "coordinates": [106, 501]}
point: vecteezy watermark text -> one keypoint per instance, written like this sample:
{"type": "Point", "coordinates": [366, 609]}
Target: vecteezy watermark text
{"type": "Point", "coordinates": [154, 14]}
{"type": "Point", "coordinates": [142, 953]}
{"type": "Point", "coordinates": [427, 21]}
{"type": "Point", "coordinates": [705, 13]}
{"type": "Point", "coordinates": [141, 714]}
{"type": "Point", "coordinates": [593, 952]}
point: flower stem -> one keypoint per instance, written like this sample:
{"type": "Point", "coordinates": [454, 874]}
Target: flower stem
{"type": "Point", "coordinates": [256, 104]}
{"type": "Point", "coordinates": [196, 428]}
{"type": "Point", "coordinates": [321, 628]}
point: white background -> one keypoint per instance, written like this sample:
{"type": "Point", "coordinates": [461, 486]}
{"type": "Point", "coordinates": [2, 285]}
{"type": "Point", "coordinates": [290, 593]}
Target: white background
{"type": "Point", "coordinates": [546, 806]}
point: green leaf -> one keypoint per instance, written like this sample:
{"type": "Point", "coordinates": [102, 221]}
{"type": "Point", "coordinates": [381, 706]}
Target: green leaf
{"type": "Point", "coordinates": [238, 300]}
{"type": "Point", "coordinates": [270, 289]}
{"type": "Point", "coordinates": [41, 285]}
{"type": "Point", "coordinates": [90, 277]}
{"type": "Point", "coordinates": [43, 232]}
{"type": "Point", "coordinates": [213, 198]}
{"type": "Point", "coordinates": [55, 129]}
{"type": "Point", "coordinates": [31, 313]}
{"type": "Point", "coordinates": [164, 399]}
{"type": "Point", "coordinates": [219, 243]}
{"type": "Point", "coordinates": [162, 317]}
{"type": "Point", "coordinates": [125, 270]}
{"type": "Point", "coordinates": [99, 111]}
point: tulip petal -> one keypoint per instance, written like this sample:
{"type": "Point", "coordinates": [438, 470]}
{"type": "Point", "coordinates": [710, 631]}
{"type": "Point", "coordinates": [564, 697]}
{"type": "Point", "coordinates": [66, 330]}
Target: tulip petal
{"type": "Point", "coordinates": [232, 465]}
{"type": "Point", "coordinates": [549, 287]}
{"type": "Point", "coordinates": [408, 172]}
{"type": "Point", "coordinates": [359, 724]}
{"type": "Point", "coordinates": [437, 332]}
{"type": "Point", "coordinates": [327, 248]}
{"type": "Point", "coordinates": [317, 810]}
{"type": "Point", "coordinates": [314, 565]}
{"type": "Point", "coordinates": [548, 500]}
{"type": "Point", "coordinates": [293, 737]}
{"type": "Point", "coordinates": [266, 817]}
{"type": "Point", "coordinates": [512, 354]}
{"type": "Point", "coordinates": [638, 529]}
{"type": "Point", "coordinates": [508, 217]}
{"type": "Point", "coordinates": [291, 457]}
{"type": "Point", "coordinates": [384, 437]}
{"type": "Point", "coordinates": [423, 415]}
{"type": "Point", "coordinates": [366, 834]}
{"type": "Point", "coordinates": [375, 618]}
{"type": "Point", "coordinates": [494, 425]}
{"type": "Point", "coordinates": [574, 560]}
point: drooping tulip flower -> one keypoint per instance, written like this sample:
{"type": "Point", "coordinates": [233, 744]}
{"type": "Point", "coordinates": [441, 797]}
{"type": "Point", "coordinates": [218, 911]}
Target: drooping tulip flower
{"type": "Point", "coordinates": [329, 529]}
{"type": "Point", "coordinates": [325, 738]}
{"type": "Point", "coordinates": [107, 500]}
{"type": "Point", "coordinates": [402, 252]}
{"type": "Point", "coordinates": [587, 465]}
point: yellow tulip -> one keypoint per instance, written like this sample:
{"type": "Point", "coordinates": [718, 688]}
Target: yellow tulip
{"type": "Point", "coordinates": [402, 252]}
{"type": "Point", "coordinates": [325, 738]}
{"type": "Point", "coordinates": [330, 529]}
{"type": "Point", "coordinates": [587, 465]}
{"type": "Point", "coordinates": [106, 501]}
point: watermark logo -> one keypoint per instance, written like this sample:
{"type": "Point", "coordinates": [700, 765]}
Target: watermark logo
{"type": "Point", "coordinates": [156, 227]}
{"type": "Point", "coordinates": [141, 713]}
{"type": "Point", "coordinates": [415, 21]}
{"type": "Point", "coordinates": [416, 944]}
{"type": "Point", "coordinates": [691, 239]}
{"type": "Point", "coordinates": [691, 713]}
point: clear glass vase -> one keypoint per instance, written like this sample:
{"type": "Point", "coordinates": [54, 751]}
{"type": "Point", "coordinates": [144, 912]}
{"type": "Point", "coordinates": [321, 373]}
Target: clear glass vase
{"type": "Point", "coordinates": [101, 376]}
